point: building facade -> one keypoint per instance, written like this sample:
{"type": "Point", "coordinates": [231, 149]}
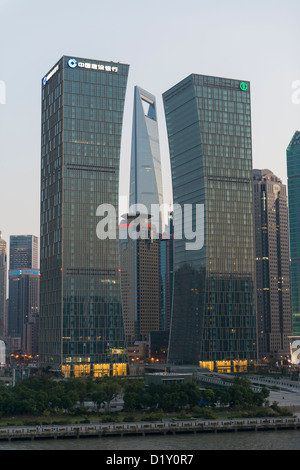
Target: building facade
{"type": "Point", "coordinates": [140, 277]}
{"type": "Point", "coordinates": [274, 318]}
{"type": "Point", "coordinates": [209, 130]}
{"type": "Point", "coordinates": [140, 254]}
{"type": "Point", "coordinates": [24, 300]}
{"type": "Point", "coordinates": [81, 321]}
{"type": "Point", "coordinates": [293, 173]}
{"type": "Point", "coordinates": [23, 252]}
{"type": "Point", "coordinates": [166, 275]}
{"type": "Point", "coordinates": [3, 283]}
{"type": "Point", "coordinates": [24, 282]}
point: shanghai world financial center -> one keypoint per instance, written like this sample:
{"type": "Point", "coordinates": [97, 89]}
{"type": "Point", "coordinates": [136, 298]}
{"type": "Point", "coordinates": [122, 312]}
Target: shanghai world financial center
{"type": "Point", "coordinates": [209, 130]}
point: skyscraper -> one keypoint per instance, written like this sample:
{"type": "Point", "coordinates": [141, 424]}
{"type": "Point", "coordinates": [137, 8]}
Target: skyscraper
{"type": "Point", "coordinates": [81, 322]}
{"type": "Point", "coordinates": [23, 252]}
{"type": "Point", "coordinates": [3, 274]}
{"type": "Point", "coordinates": [23, 279]}
{"type": "Point", "coordinates": [140, 276]}
{"type": "Point", "coordinates": [274, 319]}
{"type": "Point", "coordinates": [209, 130]}
{"type": "Point", "coordinates": [293, 173]}
{"type": "Point", "coordinates": [140, 257]}
{"type": "Point", "coordinates": [145, 170]}
{"type": "Point", "coordinates": [23, 312]}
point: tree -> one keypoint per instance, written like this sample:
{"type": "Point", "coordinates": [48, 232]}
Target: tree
{"type": "Point", "coordinates": [131, 401]}
{"type": "Point", "coordinates": [110, 388]}
{"type": "Point", "coordinates": [98, 397]}
{"type": "Point", "coordinates": [209, 396]}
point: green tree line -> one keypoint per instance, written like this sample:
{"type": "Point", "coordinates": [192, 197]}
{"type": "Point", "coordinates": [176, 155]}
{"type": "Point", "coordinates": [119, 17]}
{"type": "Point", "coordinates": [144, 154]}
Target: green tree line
{"type": "Point", "coordinates": [35, 396]}
{"type": "Point", "coordinates": [175, 397]}
{"type": "Point", "coordinates": [41, 395]}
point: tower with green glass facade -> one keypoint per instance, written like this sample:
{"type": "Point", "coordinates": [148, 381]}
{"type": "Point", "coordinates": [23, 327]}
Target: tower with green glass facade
{"type": "Point", "coordinates": [209, 130]}
{"type": "Point", "coordinates": [293, 173]}
{"type": "Point", "coordinates": [81, 322]}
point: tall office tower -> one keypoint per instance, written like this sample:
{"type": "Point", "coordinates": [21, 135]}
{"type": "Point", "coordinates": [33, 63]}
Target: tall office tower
{"type": "Point", "coordinates": [209, 129]}
{"type": "Point", "coordinates": [274, 319]}
{"type": "Point", "coordinates": [23, 313]}
{"type": "Point", "coordinates": [293, 173]}
{"type": "Point", "coordinates": [140, 256]}
{"type": "Point", "coordinates": [140, 278]}
{"type": "Point", "coordinates": [3, 274]}
{"type": "Point", "coordinates": [159, 340]}
{"type": "Point", "coordinates": [23, 252]}
{"type": "Point", "coordinates": [81, 321]}
{"type": "Point", "coordinates": [145, 171]}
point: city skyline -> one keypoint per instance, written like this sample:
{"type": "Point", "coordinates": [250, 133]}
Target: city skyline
{"type": "Point", "coordinates": [232, 49]}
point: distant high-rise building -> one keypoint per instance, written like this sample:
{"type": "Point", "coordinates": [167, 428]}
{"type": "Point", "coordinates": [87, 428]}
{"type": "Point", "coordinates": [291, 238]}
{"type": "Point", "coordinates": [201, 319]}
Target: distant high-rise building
{"type": "Point", "coordinates": [209, 130]}
{"type": "Point", "coordinates": [293, 173]}
{"type": "Point", "coordinates": [274, 318]}
{"type": "Point", "coordinates": [3, 275]}
{"type": "Point", "coordinates": [23, 317]}
{"type": "Point", "coordinates": [140, 277]}
{"type": "Point", "coordinates": [81, 321]}
{"type": "Point", "coordinates": [23, 279]}
{"type": "Point", "coordinates": [23, 252]}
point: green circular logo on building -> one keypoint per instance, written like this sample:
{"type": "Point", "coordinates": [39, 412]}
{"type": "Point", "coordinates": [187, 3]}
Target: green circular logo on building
{"type": "Point", "coordinates": [243, 86]}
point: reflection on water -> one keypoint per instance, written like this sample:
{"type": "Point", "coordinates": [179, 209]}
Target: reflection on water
{"type": "Point", "coordinates": [260, 440]}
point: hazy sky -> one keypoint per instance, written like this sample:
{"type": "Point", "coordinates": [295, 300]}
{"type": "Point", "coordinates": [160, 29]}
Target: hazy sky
{"type": "Point", "coordinates": [163, 41]}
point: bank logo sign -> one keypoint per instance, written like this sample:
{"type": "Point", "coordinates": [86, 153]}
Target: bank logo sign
{"type": "Point", "coordinates": [73, 64]}
{"type": "Point", "coordinates": [47, 77]}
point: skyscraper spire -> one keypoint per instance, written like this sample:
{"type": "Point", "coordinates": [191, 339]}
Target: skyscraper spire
{"type": "Point", "coordinates": [145, 172]}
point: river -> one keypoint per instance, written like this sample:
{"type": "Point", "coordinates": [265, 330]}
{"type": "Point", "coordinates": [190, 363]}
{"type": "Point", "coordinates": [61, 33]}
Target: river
{"type": "Point", "coordinates": [260, 440]}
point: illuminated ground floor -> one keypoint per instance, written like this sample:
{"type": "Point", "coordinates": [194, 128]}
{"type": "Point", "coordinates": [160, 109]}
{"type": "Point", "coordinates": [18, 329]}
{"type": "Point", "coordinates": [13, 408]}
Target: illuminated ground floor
{"type": "Point", "coordinates": [227, 367]}
{"type": "Point", "coordinates": [94, 370]}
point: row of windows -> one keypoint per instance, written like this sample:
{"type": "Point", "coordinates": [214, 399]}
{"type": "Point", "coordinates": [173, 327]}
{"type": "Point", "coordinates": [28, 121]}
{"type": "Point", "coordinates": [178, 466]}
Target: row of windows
{"type": "Point", "coordinates": [116, 79]}
{"type": "Point", "coordinates": [111, 141]}
{"type": "Point", "coordinates": [225, 106]}
{"type": "Point", "coordinates": [222, 94]}
{"type": "Point", "coordinates": [93, 102]}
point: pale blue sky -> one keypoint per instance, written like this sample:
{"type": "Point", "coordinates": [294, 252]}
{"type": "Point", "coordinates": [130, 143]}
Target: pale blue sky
{"type": "Point", "coordinates": [163, 41]}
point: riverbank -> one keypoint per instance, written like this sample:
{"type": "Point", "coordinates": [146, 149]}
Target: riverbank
{"type": "Point", "coordinates": [101, 430]}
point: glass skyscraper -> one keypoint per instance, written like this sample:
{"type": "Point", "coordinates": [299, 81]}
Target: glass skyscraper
{"type": "Point", "coordinates": [293, 173]}
{"type": "Point", "coordinates": [23, 312]}
{"type": "Point", "coordinates": [140, 257]}
{"type": "Point", "coordinates": [209, 130]}
{"type": "Point", "coordinates": [24, 279]}
{"type": "Point", "coordinates": [145, 166]}
{"type": "Point", "coordinates": [81, 322]}
{"type": "Point", "coordinates": [23, 252]}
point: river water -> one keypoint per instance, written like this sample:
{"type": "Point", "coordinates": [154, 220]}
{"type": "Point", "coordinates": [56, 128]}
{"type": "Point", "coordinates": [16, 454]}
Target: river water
{"type": "Point", "coordinates": [260, 440]}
